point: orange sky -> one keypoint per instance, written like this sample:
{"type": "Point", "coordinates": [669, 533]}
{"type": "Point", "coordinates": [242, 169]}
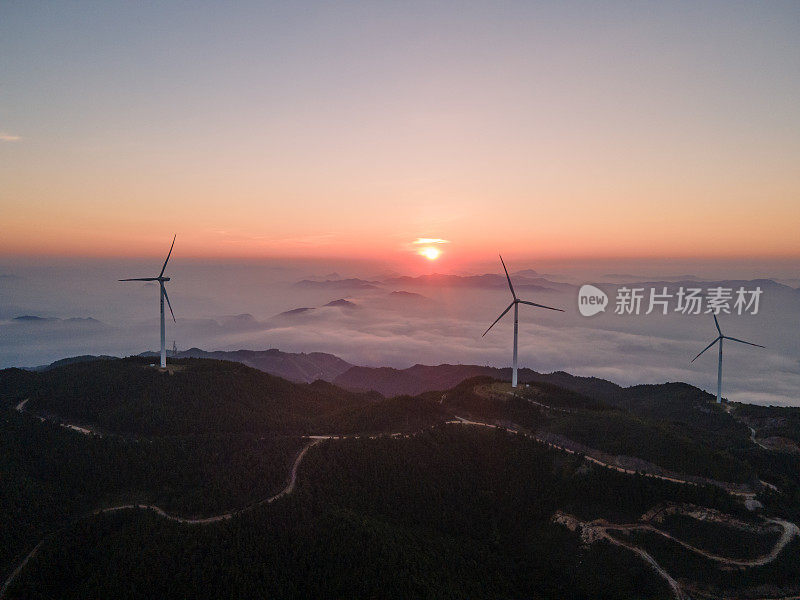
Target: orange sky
{"type": "Point", "coordinates": [552, 132]}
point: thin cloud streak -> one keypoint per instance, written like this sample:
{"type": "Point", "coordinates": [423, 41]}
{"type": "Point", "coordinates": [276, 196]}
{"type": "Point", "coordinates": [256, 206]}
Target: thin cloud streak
{"type": "Point", "coordinates": [430, 241]}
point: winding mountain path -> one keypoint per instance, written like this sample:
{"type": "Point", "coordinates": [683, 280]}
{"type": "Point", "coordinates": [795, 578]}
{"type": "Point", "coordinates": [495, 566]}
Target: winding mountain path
{"type": "Point", "coordinates": [288, 489]}
{"type": "Point", "coordinates": [18, 569]}
{"type": "Point", "coordinates": [730, 488]}
{"type": "Point", "coordinates": [790, 530]}
{"type": "Point", "coordinates": [595, 460]}
{"type": "Point", "coordinates": [677, 591]}
{"type": "Point", "coordinates": [601, 529]}
{"type": "Point", "coordinates": [84, 430]}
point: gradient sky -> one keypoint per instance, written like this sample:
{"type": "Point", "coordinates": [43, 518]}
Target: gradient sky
{"type": "Point", "coordinates": [557, 130]}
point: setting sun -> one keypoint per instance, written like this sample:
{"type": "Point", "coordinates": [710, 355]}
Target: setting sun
{"type": "Point", "coordinates": [430, 253]}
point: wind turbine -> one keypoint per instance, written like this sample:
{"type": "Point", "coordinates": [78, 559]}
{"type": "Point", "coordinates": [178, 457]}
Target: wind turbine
{"type": "Point", "coordinates": [719, 339]}
{"type": "Point", "coordinates": [515, 303]}
{"type": "Point", "coordinates": [161, 281]}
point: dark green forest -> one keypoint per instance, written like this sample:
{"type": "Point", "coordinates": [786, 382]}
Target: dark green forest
{"type": "Point", "coordinates": [718, 538]}
{"type": "Point", "coordinates": [673, 426]}
{"type": "Point", "coordinates": [776, 579]}
{"type": "Point", "coordinates": [438, 511]}
{"type": "Point", "coordinates": [208, 396]}
{"type": "Point", "coordinates": [772, 421]}
{"type": "Point", "coordinates": [456, 512]}
{"type": "Point", "coordinates": [51, 475]}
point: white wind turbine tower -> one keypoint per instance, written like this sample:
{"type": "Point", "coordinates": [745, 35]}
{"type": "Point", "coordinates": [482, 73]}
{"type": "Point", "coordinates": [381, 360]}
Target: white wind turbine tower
{"type": "Point", "coordinates": [515, 303]}
{"type": "Point", "coordinates": [161, 281]}
{"type": "Point", "coordinates": [719, 339]}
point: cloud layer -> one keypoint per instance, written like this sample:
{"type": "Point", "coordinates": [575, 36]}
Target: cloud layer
{"type": "Point", "coordinates": [386, 326]}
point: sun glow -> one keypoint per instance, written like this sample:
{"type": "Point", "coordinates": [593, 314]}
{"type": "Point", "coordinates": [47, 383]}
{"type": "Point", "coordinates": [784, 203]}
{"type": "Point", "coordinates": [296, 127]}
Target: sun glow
{"type": "Point", "coordinates": [430, 253]}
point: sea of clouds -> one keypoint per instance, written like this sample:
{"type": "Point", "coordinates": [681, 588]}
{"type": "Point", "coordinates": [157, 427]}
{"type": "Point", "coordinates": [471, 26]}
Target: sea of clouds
{"type": "Point", "coordinates": [387, 321]}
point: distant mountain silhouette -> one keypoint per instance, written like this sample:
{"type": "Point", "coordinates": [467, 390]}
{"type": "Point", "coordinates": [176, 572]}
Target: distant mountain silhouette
{"type": "Point", "coordinates": [304, 310]}
{"type": "Point", "coordinates": [408, 295]}
{"type": "Point", "coordinates": [72, 360]}
{"type": "Point", "coordinates": [342, 303]}
{"type": "Point", "coordinates": [402, 300]}
{"type": "Point", "coordinates": [300, 367]}
{"type": "Point", "coordinates": [486, 281]}
{"type": "Point", "coordinates": [338, 284]}
{"type": "Point", "coordinates": [424, 378]}
{"type": "Point", "coordinates": [329, 277]}
{"type": "Point", "coordinates": [243, 321]}
{"type": "Point", "coordinates": [628, 276]}
{"type": "Point", "coordinates": [765, 284]}
{"type": "Point", "coordinates": [692, 281]}
{"type": "Point", "coordinates": [294, 312]}
{"type": "Point", "coordinates": [772, 290]}
{"type": "Point", "coordinates": [34, 318]}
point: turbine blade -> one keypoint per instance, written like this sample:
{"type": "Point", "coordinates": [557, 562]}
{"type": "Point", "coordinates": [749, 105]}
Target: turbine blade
{"type": "Point", "coordinates": [707, 347]}
{"type": "Point", "coordinates": [502, 314]}
{"type": "Point", "coordinates": [743, 342]}
{"type": "Point", "coordinates": [719, 331]}
{"type": "Point", "coordinates": [540, 305]}
{"type": "Point", "coordinates": [511, 287]}
{"type": "Point", "coordinates": [140, 279]}
{"type": "Point", "coordinates": [164, 268]}
{"type": "Point", "coordinates": [164, 289]}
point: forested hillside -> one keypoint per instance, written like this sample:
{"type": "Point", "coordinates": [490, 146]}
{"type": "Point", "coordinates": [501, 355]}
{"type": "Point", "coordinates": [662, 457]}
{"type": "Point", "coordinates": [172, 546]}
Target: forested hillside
{"type": "Point", "coordinates": [481, 490]}
{"type": "Point", "coordinates": [196, 396]}
{"type": "Point", "coordinates": [424, 378]}
{"type": "Point", "coordinates": [457, 512]}
{"type": "Point", "coordinates": [50, 475]}
{"type": "Point", "coordinates": [673, 426]}
{"type": "Point", "coordinates": [294, 366]}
